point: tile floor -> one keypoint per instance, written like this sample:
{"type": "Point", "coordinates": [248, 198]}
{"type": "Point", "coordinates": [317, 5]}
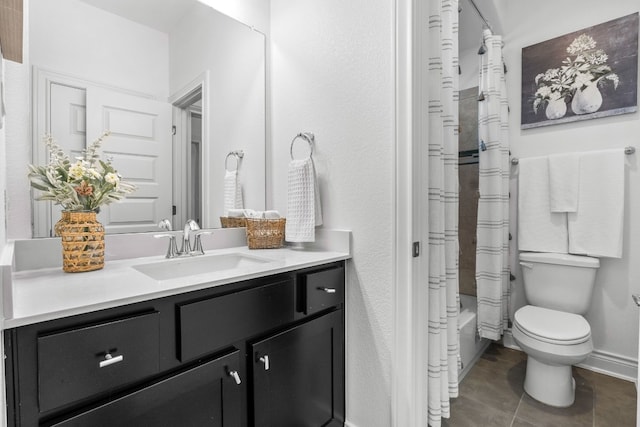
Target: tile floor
{"type": "Point", "coordinates": [492, 395]}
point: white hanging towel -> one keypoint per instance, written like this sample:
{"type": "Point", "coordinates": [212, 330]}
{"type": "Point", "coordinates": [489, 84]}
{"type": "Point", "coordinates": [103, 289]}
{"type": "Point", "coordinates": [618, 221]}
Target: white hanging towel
{"type": "Point", "coordinates": [596, 229]}
{"type": "Point", "coordinates": [232, 192]}
{"type": "Point", "coordinates": [564, 180]}
{"type": "Point", "coordinates": [539, 229]}
{"type": "Point", "coordinates": [303, 202]}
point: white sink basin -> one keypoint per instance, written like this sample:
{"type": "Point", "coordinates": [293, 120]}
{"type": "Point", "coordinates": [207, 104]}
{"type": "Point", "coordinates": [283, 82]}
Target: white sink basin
{"type": "Point", "coordinates": [203, 264]}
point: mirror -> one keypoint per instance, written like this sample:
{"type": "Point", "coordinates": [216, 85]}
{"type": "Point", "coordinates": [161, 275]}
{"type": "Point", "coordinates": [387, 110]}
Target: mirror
{"type": "Point", "coordinates": [178, 84]}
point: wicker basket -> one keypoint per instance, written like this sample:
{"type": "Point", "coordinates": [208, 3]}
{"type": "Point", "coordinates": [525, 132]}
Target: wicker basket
{"type": "Point", "coordinates": [265, 233]}
{"type": "Point", "coordinates": [82, 242]}
{"type": "Point", "coordinates": [233, 222]}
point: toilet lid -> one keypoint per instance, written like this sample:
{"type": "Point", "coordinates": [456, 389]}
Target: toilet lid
{"type": "Point", "coordinates": [552, 326]}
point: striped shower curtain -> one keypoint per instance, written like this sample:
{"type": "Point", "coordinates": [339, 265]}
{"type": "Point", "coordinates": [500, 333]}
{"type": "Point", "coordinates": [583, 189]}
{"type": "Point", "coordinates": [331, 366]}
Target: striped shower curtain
{"type": "Point", "coordinates": [443, 339]}
{"type": "Point", "coordinates": [492, 251]}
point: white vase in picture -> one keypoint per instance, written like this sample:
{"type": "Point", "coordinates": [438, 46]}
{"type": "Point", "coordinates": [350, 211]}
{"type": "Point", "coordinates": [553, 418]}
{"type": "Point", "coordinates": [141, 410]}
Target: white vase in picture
{"type": "Point", "coordinates": [556, 108]}
{"type": "Point", "coordinates": [587, 100]}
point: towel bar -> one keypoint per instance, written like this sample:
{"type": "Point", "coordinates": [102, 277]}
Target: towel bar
{"type": "Point", "coordinates": [307, 136]}
{"type": "Point", "coordinates": [627, 150]}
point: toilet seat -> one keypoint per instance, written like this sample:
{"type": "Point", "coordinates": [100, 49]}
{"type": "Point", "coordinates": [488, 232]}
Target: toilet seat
{"type": "Point", "coordinates": [552, 326]}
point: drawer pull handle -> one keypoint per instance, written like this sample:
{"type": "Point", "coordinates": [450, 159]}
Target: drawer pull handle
{"type": "Point", "coordinates": [236, 376]}
{"type": "Point", "coordinates": [265, 359]}
{"type": "Point", "coordinates": [328, 290]}
{"type": "Point", "coordinates": [110, 360]}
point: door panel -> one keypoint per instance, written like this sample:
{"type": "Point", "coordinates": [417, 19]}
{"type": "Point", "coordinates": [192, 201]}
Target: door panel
{"type": "Point", "coordinates": [140, 148]}
{"type": "Point", "coordinates": [68, 126]}
{"type": "Point", "coordinates": [298, 376]}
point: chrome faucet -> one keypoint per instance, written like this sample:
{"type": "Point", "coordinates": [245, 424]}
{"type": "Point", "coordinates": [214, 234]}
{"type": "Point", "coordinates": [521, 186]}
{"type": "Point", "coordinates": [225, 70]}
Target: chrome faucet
{"type": "Point", "coordinates": [188, 249]}
{"type": "Point", "coordinates": [189, 226]}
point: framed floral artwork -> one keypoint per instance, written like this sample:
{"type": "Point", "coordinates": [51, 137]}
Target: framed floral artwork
{"type": "Point", "coordinates": [582, 75]}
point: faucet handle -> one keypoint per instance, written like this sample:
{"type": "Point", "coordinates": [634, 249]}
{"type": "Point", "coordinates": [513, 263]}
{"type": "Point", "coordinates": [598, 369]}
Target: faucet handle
{"type": "Point", "coordinates": [197, 245]}
{"type": "Point", "coordinates": [172, 250]}
{"type": "Point", "coordinates": [165, 224]}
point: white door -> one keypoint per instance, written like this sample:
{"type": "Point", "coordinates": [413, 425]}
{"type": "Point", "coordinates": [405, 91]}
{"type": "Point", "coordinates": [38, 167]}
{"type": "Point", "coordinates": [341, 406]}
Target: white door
{"type": "Point", "coordinates": [68, 127]}
{"type": "Point", "coordinates": [140, 148]}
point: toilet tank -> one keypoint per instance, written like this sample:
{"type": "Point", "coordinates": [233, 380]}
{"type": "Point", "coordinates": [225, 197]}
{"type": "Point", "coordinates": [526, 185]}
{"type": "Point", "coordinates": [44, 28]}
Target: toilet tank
{"type": "Point", "coordinates": [559, 281]}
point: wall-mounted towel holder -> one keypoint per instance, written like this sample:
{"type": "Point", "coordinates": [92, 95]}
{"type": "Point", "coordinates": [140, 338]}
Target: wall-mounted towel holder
{"type": "Point", "coordinates": [238, 154]}
{"type": "Point", "coordinates": [307, 136]}
{"type": "Point", "coordinates": [627, 150]}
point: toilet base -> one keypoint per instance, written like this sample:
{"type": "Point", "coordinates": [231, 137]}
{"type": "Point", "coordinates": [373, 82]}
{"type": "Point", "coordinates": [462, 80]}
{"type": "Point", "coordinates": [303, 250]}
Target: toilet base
{"type": "Point", "coordinates": [550, 384]}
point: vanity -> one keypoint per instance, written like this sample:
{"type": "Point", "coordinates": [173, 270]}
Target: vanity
{"type": "Point", "coordinates": [255, 340]}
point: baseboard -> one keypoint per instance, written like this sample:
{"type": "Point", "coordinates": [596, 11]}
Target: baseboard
{"type": "Point", "coordinates": [349, 424]}
{"type": "Point", "coordinates": [612, 364]}
{"type": "Point", "coordinates": [599, 361]}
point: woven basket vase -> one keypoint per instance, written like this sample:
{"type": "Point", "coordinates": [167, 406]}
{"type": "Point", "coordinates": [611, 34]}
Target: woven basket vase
{"type": "Point", "coordinates": [82, 242]}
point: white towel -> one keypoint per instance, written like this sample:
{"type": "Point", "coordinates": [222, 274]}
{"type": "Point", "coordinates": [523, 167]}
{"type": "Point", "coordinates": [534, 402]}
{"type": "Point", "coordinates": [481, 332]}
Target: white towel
{"type": "Point", "coordinates": [303, 202]}
{"type": "Point", "coordinates": [539, 229]}
{"type": "Point", "coordinates": [596, 229]}
{"type": "Point", "coordinates": [271, 215]}
{"type": "Point", "coordinates": [232, 192]}
{"type": "Point", "coordinates": [564, 179]}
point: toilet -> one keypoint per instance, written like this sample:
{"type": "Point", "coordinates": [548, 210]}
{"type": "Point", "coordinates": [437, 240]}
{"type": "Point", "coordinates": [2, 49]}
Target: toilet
{"type": "Point", "coordinates": [551, 329]}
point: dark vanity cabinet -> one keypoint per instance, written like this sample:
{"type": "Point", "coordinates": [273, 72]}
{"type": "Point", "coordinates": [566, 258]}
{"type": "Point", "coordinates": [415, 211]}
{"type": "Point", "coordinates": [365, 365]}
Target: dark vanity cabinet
{"type": "Point", "coordinates": [267, 352]}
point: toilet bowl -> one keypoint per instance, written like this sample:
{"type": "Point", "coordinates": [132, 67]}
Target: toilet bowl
{"type": "Point", "coordinates": [551, 329]}
{"type": "Point", "coordinates": [554, 341]}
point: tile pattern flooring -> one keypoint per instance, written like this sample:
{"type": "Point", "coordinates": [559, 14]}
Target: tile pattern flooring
{"type": "Point", "coordinates": [492, 395]}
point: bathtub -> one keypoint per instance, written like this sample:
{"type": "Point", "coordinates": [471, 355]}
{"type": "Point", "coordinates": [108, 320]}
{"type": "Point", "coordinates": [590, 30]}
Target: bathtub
{"type": "Point", "coordinates": [471, 345]}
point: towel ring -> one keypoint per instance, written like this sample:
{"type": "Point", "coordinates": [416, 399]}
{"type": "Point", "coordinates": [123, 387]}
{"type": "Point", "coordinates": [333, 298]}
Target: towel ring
{"type": "Point", "coordinates": [307, 136]}
{"type": "Point", "coordinates": [238, 154]}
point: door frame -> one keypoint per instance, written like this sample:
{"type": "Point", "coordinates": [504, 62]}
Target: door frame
{"type": "Point", "coordinates": [181, 100]}
{"type": "Point", "coordinates": [42, 80]}
{"type": "Point", "coordinates": [409, 363]}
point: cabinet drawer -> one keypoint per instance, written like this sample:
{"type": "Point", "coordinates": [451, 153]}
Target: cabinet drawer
{"type": "Point", "coordinates": [212, 324]}
{"type": "Point", "coordinates": [322, 289]}
{"type": "Point", "coordinates": [85, 361]}
{"type": "Point", "coordinates": [205, 395]}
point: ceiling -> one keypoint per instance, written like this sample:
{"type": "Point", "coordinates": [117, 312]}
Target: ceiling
{"type": "Point", "coordinates": [158, 15]}
{"type": "Point", "coordinates": [163, 15]}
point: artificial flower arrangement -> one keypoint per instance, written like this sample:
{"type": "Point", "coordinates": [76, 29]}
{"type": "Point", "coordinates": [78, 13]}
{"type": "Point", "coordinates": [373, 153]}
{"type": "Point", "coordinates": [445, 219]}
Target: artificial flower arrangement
{"type": "Point", "coordinates": [83, 185]}
{"type": "Point", "coordinates": [585, 66]}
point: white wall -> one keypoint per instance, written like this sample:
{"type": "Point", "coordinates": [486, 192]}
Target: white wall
{"type": "Point", "coordinates": [234, 55]}
{"type": "Point", "coordinates": [613, 316]}
{"type": "Point", "coordinates": [72, 37]}
{"type": "Point", "coordinates": [332, 68]}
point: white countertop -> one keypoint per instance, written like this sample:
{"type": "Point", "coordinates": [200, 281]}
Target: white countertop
{"type": "Point", "coordinates": [49, 293]}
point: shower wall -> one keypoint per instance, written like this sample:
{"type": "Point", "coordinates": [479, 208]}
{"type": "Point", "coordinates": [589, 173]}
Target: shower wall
{"type": "Point", "coordinates": [468, 181]}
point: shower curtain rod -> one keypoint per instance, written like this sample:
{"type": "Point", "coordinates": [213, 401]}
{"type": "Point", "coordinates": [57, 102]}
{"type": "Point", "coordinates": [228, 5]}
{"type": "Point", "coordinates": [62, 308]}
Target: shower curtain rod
{"type": "Point", "coordinates": [481, 15]}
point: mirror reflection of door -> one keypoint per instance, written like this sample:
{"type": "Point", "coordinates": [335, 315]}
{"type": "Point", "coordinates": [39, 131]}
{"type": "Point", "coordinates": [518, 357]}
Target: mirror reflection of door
{"type": "Point", "coordinates": [139, 146]}
{"type": "Point", "coordinates": [194, 202]}
{"type": "Point", "coordinates": [188, 148]}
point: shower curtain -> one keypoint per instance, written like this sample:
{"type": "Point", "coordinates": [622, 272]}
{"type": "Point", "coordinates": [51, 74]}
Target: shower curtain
{"type": "Point", "coordinates": [492, 250]}
{"type": "Point", "coordinates": [443, 341]}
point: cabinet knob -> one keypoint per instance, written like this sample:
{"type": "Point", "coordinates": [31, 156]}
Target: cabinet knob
{"type": "Point", "coordinates": [110, 360]}
{"type": "Point", "coordinates": [265, 360]}
{"type": "Point", "coordinates": [236, 376]}
{"type": "Point", "coordinates": [328, 290]}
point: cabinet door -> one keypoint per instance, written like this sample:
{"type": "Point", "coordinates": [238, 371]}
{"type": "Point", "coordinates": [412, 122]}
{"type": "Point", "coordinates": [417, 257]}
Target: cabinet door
{"type": "Point", "coordinates": [206, 395]}
{"type": "Point", "coordinates": [299, 375]}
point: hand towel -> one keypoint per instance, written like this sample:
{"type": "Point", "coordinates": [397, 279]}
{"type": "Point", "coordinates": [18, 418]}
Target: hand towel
{"type": "Point", "coordinates": [236, 213]}
{"type": "Point", "coordinates": [539, 229]}
{"type": "Point", "coordinates": [596, 229]}
{"type": "Point", "coordinates": [271, 215]}
{"type": "Point", "coordinates": [232, 192]}
{"type": "Point", "coordinates": [303, 202]}
{"type": "Point", "coordinates": [564, 179]}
